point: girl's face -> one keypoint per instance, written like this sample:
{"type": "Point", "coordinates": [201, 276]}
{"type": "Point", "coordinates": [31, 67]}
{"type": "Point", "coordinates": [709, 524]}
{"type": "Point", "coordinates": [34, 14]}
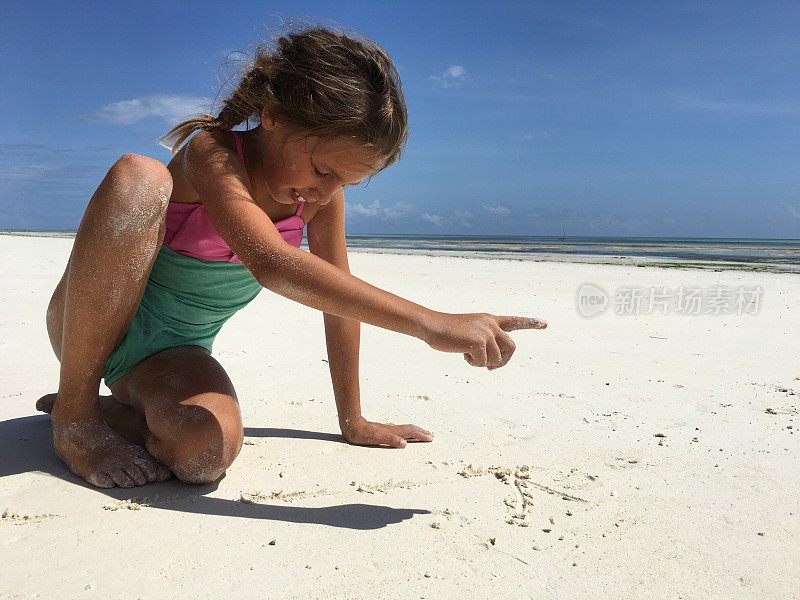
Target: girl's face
{"type": "Point", "coordinates": [299, 168]}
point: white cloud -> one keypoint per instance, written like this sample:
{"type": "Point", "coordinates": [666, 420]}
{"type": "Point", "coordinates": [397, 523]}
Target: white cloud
{"type": "Point", "coordinates": [794, 211]}
{"type": "Point", "coordinates": [456, 71]}
{"type": "Point", "coordinates": [26, 172]}
{"type": "Point", "coordinates": [497, 210]}
{"type": "Point", "coordinates": [433, 219]}
{"type": "Point", "coordinates": [169, 108]}
{"type": "Point", "coordinates": [378, 211]}
{"type": "Point", "coordinates": [527, 137]}
{"type": "Point", "coordinates": [452, 76]}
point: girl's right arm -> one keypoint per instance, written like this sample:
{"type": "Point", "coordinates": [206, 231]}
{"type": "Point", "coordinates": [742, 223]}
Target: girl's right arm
{"type": "Point", "coordinates": [221, 182]}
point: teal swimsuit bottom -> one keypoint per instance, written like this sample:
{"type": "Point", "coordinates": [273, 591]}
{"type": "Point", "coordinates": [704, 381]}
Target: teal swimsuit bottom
{"type": "Point", "coordinates": [186, 303]}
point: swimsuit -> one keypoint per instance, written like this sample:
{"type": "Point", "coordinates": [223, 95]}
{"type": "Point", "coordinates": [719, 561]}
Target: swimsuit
{"type": "Point", "coordinates": [196, 284]}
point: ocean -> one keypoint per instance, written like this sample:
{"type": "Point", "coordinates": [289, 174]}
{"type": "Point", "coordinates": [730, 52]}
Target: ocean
{"type": "Point", "coordinates": [774, 255]}
{"type": "Point", "coordinates": [715, 253]}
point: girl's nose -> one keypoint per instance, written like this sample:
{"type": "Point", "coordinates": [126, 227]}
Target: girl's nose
{"type": "Point", "coordinates": [324, 194]}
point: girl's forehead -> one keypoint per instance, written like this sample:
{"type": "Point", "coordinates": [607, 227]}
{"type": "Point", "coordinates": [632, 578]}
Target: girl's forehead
{"type": "Point", "coordinates": [343, 155]}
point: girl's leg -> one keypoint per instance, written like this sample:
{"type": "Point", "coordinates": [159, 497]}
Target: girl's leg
{"type": "Point", "coordinates": [91, 310]}
{"type": "Point", "coordinates": [187, 399]}
{"type": "Point", "coordinates": [194, 425]}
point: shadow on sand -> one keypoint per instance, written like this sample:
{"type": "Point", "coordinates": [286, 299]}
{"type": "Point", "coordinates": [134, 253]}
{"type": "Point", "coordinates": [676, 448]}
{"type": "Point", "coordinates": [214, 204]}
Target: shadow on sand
{"type": "Point", "coordinates": [26, 446]}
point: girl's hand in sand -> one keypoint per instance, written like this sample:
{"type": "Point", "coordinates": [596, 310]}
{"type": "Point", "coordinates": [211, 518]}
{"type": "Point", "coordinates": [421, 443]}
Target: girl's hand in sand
{"type": "Point", "coordinates": [366, 433]}
{"type": "Point", "coordinates": [481, 337]}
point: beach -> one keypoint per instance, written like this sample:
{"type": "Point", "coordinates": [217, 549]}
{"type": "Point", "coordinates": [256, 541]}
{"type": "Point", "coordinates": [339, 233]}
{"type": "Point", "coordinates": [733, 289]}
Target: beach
{"type": "Point", "coordinates": [648, 450]}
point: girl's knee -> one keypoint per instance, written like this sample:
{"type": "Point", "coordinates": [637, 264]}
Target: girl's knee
{"type": "Point", "coordinates": [136, 171]}
{"type": "Point", "coordinates": [205, 442]}
{"type": "Point", "coordinates": [136, 192]}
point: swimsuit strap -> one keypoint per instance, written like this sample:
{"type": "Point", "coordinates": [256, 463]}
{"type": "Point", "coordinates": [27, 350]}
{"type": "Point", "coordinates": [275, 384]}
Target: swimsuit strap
{"type": "Point", "coordinates": [299, 210]}
{"type": "Point", "coordinates": [238, 145]}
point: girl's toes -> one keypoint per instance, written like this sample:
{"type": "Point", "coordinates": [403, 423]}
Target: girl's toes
{"type": "Point", "coordinates": [45, 403]}
{"type": "Point", "coordinates": [100, 480]}
{"type": "Point", "coordinates": [120, 478]}
{"type": "Point", "coordinates": [162, 473]}
{"type": "Point", "coordinates": [153, 470]}
{"type": "Point", "coordinates": [147, 467]}
{"type": "Point", "coordinates": [136, 474]}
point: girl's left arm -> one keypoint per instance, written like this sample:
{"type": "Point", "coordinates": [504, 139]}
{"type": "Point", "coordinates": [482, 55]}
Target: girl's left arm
{"type": "Point", "coordinates": [326, 240]}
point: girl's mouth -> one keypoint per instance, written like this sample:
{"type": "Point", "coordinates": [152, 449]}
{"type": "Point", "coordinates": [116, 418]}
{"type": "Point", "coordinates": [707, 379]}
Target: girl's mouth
{"type": "Point", "coordinates": [296, 196]}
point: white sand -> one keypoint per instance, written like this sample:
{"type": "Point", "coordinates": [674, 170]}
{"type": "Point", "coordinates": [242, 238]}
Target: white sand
{"type": "Point", "coordinates": [563, 436]}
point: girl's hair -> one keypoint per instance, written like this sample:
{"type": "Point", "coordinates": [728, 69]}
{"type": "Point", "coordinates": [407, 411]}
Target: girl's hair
{"type": "Point", "coordinates": [324, 84]}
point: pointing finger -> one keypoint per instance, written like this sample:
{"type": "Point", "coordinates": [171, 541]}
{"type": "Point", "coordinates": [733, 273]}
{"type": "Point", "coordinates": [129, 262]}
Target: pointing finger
{"type": "Point", "coordinates": [515, 323]}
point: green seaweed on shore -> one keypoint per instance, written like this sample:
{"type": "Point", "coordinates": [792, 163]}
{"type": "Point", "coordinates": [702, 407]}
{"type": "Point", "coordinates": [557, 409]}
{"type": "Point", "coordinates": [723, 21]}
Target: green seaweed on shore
{"type": "Point", "coordinates": [711, 266]}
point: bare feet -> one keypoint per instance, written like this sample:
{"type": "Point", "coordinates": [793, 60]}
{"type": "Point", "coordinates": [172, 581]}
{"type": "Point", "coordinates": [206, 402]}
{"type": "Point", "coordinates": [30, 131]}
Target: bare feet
{"type": "Point", "coordinates": [94, 451]}
{"type": "Point", "coordinates": [124, 419]}
{"type": "Point", "coordinates": [45, 403]}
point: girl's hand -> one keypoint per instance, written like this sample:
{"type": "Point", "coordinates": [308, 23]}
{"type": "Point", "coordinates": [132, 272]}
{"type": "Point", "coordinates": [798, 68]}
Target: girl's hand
{"type": "Point", "coordinates": [481, 337]}
{"type": "Point", "coordinates": [365, 433]}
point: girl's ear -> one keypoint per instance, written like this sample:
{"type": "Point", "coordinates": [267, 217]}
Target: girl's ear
{"type": "Point", "coordinates": [267, 122]}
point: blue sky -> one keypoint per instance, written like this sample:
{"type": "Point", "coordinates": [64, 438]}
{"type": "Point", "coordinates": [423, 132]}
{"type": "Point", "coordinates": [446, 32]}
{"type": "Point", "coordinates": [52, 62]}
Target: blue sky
{"type": "Point", "coordinates": [527, 118]}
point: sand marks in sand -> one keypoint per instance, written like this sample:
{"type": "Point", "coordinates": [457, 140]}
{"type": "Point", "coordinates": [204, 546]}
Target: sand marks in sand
{"type": "Point", "coordinates": [360, 487]}
{"type": "Point", "coordinates": [128, 504]}
{"type": "Point", "coordinates": [260, 497]}
{"type": "Point", "coordinates": [785, 407]}
{"type": "Point", "coordinates": [138, 503]}
{"type": "Point", "coordinates": [520, 503]}
{"type": "Point", "coordinates": [382, 488]}
{"type": "Point", "coordinates": [781, 405]}
{"type": "Point", "coordinates": [281, 496]}
{"type": "Point", "coordinates": [18, 519]}
{"type": "Point", "coordinates": [621, 462]}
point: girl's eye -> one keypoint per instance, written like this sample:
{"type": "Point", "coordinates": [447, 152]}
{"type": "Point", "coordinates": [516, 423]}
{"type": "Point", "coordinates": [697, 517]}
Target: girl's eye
{"type": "Point", "coordinates": [318, 174]}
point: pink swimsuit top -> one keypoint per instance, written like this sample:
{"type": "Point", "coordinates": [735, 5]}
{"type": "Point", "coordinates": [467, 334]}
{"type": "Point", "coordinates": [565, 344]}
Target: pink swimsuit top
{"type": "Point", "coordinates": [189, 230]}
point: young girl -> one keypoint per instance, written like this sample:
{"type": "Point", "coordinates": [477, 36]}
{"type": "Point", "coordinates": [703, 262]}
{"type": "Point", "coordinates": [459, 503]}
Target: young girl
{"type": "Point", "coordinates": [164, 256]}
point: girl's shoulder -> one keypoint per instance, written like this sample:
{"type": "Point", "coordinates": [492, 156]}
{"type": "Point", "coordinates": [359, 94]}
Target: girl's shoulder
{"type": "Point", "coordinates": [204, 149]}
{"type": "Point", "coordinates": [204, 145]}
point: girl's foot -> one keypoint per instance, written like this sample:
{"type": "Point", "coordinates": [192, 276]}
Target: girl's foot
{"type": "Point", "coordinates": [124, 419]}
{"type": "Point", "coordinates": [113, 460]}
